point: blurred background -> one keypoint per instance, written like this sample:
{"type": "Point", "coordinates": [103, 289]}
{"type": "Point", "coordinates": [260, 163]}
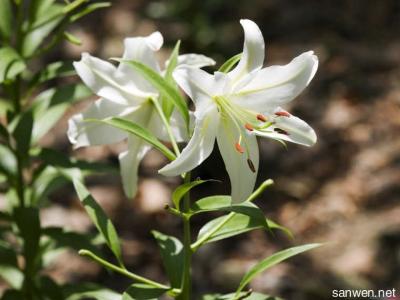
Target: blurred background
{"type": "Point", "coordinates": [344, 191]}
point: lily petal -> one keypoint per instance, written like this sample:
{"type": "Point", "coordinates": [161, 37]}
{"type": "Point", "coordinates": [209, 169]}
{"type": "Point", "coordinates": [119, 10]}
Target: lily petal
{"type": "Point", "coordinates": [194, 60]}
{"type": "Point", "coordinates": [277, 85]}
{"type": "Point", "coordinates": [295, 130]}
{"type": "Point", "coordinates": [240, 171]}
{"type": "Point", "coordinates": [253, 51]}
{"type": "Point", "coordinates": [82, 133]}
{"type": "Point", "coordinates": [199, 147]}
{"type": "Point", "coordinates": [141, 49]}
{"type": "Point", "coordinates": [198, 85]}
{"type": "Point", "coordinates": [129, 163]}
{"type": "Point", "coordinates": [102, 78]}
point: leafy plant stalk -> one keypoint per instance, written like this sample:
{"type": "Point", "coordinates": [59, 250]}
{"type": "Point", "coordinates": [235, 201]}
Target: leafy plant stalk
{"type": "Point", "coordinates": [187, 250]}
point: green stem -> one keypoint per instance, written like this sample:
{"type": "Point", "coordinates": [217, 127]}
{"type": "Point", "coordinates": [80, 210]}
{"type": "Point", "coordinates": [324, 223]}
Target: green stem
{"type": "Point", "coordinates": [187, 250]}
{"type": "Point", "coordinates": [122, 271]}
{"type": "Point", "coordinates": [167, 125]}
{"type": "Point", "coordinates": [253, 196]}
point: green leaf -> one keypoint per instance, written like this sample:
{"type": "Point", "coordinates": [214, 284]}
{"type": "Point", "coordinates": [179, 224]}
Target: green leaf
{"type": "Point", "coordinates": [242, 296]}
{"type": "Point", "coordinates": [141, 291]}
{"type": "Point", "coordinates": [6, 20]}
{"type": "Point", "coordinates": [28, 222]}
{"type": "Point", "coordinates": [8, 164]}
{"type": "Point", "coordinates": [272, 261]}
{"type": "Point", "coordinates": [51, 105]}
{"type": "Point", "coordinates": [23, 133]}
{"type": "Point", "coordinates": [89, 291]}
{"type": "Point", "coordinates": [224, 203]}
{"type": "Point", "coordinates": [236, 225]}
{"type": "Point", "coordinates": [52, 71]}
{"type": "Point", "coordinates": [9, 266]}
{"type": "Point", "coordinates": [89, 9]}
{"type": "Point", "coordinates": [139, 131]}
{"type": "Point", "coordinates": [100, 220]}
{"type": "Point", "coordinates": [11, 64]}
{"type": "Point", "coordinates": [72, 38]}
{"type": "Point", "coordinates": [168, 105]}
{"type": "Point", "coordinates": [45, 18]}
{"type": "Point", "coordinates": [230, 63]}
{"type": "Point", "coordinates": [47, 121]}
{"type": "Point", "coordinates": [172, 255]}
{"type": "Point", "coordinates": [182, 190]}
{"type": "Point", "coordinates": [165, 88]}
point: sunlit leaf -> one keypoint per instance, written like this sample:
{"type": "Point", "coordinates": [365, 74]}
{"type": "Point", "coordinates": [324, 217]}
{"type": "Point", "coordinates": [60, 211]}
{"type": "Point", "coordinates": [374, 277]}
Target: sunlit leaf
{"type": "Point", "coordinates": [141, 291]}
{"type": "Point", "coordinates": [89, 9]}
{"type": "Point", "coordinates": [167, 104]}
{"type": "Point", "coordinates": [235, 225]}
{"type": "Point", "coordinates": [230, 63]}
{"type": "Point", "coordinates": [273, 260]}
{"type": "Point", "coordinates": [165, 88]}
{"type": "Point", "coordinates": [183, 189]}
{"type": "Point", "coordinates": [72, 38]}
{"type": "Point", "coordinates": [172, 255]}
{"type": "Point", "coordinates": [45, 18]}
{"type": "Point", "coordinates": [241, 296]}
{"type": "Point", "coordinates": [139, 131]}
{"type": "Point", "coordinates": [11, 64]}
{"type": "Point", "coordinates": [89, 291]}
{"type": "Point", "coordinates": [52, 71]}
{"type": "Point", "coordinates": [100, 220]}
{"type": "Point", "coordinates": [6, 20]}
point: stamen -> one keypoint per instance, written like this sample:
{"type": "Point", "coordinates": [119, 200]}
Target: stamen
{"type": "Point", "coordinates": [239, 148]}
{"type": "Point", "coordinates": [249, 127]}
{"type": "Point", "coordinates": [262, 118]}
{"type": "Point", "coordinates": [282, 114]}
{"type": "Point", "coordinates": [281, 131]}
{"type": "Point", "coordinates": [251, 165]}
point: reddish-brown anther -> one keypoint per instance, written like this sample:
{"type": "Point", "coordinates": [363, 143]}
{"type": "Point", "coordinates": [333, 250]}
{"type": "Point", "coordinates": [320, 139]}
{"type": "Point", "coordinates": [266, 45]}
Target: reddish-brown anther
{"type": "Point", "coordinates": [261, 118]}
{"type": "Point", "coordinates": [251, 165]}
{"type": "Point", "coordinates": [249, 127]}
{"type": "Point", "coordinates": [281, 131]}
{"type": "Point", "coordinates": [239, 148]}
{"type": "Point", "coordinates": [282, 114]}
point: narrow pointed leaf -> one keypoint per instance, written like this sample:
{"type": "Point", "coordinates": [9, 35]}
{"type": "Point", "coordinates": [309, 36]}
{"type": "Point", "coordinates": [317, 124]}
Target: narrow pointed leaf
{"type": "Point", "coordinates": [89, 9]}
{"type": "Point", "coordinates": [236, 225]}
{"type": "Point", "coordinates": [246, 295]}
{"type": "Point", "coordinates": [141, 291]}
{"type": "Point", "coordinates": [167, 104]}
{"type": "Point", "coordinates": [11, 64]}
{"type": "Point", "coordinates": [272, 261]}
{"type": "Point", "coordinates": [165, 88]}
{"type": "Point", "coordinates": [139, 131]}
{"type": "Point", "coordinates": [100, 220]}
{"type": "Point", "coordinates": [89, 291]}
{"type": "Point", "coordinates": [6, 17]}
{"type": "Point", "coordinates": [52, 71]}
{"type": "Point", "coordinates": [230, 63]}
{"type": "Point", "coordinates": [172, 255]}
{"type": "Point", "coordinates": [182, 190]}
{"type": "Point", "coordinates": [23, 134]}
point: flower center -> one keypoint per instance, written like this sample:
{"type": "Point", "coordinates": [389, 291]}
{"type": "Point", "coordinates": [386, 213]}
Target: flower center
{"type": "Point", "coordinates": [243, 120]}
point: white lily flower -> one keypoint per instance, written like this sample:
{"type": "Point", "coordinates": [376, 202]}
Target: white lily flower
{"type": "Point", "coordinates": [125, 93]}
{"type": "Point", "coordinates": [236, 107]}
